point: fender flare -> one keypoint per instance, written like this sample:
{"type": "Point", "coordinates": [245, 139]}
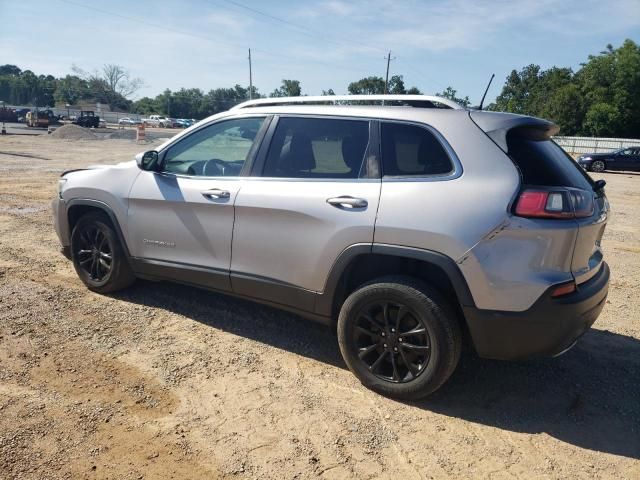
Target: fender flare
{"type": "Point", "coordinates": [88, 202]}
{"type": "Point", "coordinates": [325, 300]}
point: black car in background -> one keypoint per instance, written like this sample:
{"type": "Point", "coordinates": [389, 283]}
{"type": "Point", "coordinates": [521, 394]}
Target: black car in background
{"type": "Point", "coordinates": [622, 159]}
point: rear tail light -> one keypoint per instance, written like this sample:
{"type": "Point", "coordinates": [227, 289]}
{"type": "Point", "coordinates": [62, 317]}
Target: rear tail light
{"type": "Point", "coordinates": [556, 203]}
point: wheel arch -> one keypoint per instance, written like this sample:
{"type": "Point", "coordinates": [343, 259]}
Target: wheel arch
{"type": "Point", "coordinates": [360, 263]}
{"type": "Point", "coordinates": [76, 208]}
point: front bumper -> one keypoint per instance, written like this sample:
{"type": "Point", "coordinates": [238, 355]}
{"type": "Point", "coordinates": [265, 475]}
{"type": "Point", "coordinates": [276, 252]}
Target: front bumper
{"type": "Point", "coordinates": [548, 328]}
{"type": "Point", "coordinates": [61, 225]}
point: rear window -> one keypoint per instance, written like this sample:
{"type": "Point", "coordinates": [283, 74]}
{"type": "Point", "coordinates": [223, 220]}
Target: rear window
{"type": "Point", "coordinates": [410, 150]}
{"type": "Point", "coordinates": [544, 163]}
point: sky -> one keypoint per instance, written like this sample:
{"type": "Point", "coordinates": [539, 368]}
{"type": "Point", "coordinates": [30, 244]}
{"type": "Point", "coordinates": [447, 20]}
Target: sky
{"type": "Point", "coordinates": [323, 43]}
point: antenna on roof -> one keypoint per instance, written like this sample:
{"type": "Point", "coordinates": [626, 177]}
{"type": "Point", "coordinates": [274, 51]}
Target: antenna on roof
{"type": "Point", "coordinates": [486, 90]}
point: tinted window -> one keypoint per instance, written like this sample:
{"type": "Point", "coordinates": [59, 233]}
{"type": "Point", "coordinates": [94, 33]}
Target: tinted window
{"type": "Point", "coordinates": [542, 162]}
{"type": "Point", "coordinates": [218, 150]}
{"type": "Point", "coordinates": [409, 150]}
{"type": "Point", "coordinates": [317, 148]}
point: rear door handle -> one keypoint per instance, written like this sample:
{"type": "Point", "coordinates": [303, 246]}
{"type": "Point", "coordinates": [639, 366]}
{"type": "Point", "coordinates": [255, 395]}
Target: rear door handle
{"type": "Point", "coordinates": [216, 193]}
{"type": "Point", "coordinates": [347, 202]}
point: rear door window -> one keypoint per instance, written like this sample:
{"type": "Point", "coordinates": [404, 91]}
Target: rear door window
{"type": "Point", "coordinates": [317, 148]}
{"type": "Point", "coordinates": [411, 150]}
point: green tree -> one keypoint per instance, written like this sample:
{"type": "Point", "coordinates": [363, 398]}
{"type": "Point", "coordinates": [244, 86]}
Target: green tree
{"type": "Point", "coordinates": [452, 94]}
{"type": "Point", "coordinates": [70, 89]}
{"type": "Point", "coordinates": [601, 120]}
{"type": "Point", "coordinates": [367, 86]}
{"type": "Point", "coordinates": [612, 78]}
{"type": "Point", "coordinates": [328, 92]}
{"type": "Point", "coordinates": [145, 106]}
{"type": "Point", "coordinates": [289, 88]}
{"type": "Point", "coordinates": [375, 86]}
{"type": "Point", "coordinates": [10, 70]}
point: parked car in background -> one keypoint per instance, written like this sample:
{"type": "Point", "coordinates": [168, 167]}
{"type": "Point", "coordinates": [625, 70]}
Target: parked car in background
{"type": "Point", "coordinates": [127, 121]}
{"type": "Point", "coordinates": [88, 119]}
{"type": "Point", "coordinates": [184, 122]}
{"type": "Point", "coordinates": [21, 113]}
{"type": "Point", "coordinates": [157, 121]}
{"type": "Point", "coordinates": [621, 159]}
{"type": "Point", "coordinates": [405, 228]}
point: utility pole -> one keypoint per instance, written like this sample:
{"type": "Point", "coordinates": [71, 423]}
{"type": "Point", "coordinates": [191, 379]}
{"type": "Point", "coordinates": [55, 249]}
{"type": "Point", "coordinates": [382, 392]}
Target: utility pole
{"type": "Point", "coordinates": [250, 78]}
{"type": "Point", "coordinates": [386, 78]}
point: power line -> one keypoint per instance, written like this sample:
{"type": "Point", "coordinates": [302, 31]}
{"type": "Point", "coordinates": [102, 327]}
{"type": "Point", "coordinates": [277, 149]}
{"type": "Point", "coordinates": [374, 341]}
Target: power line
{"type": "Point", "coordinates": [202, 37]}
{"type": "Point", "coordinates": [302, 29]}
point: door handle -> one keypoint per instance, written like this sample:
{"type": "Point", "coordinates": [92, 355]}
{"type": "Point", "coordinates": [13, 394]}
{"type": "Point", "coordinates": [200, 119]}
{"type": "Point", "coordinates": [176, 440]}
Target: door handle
{"type": "Point", "coordinates": [347, 202]}
{"type": "Point", "coordinates": [216, 193]}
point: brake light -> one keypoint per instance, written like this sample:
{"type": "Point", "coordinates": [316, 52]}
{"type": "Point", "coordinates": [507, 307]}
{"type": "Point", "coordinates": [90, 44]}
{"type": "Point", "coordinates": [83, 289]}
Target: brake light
{"type": "Point", "coordinates": [564, 203]}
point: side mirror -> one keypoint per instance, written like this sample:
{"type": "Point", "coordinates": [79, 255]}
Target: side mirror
{"type": "Point", "coordinates": [147, 160]}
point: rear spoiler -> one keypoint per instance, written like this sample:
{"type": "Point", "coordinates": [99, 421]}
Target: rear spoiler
{"type": "Point", "coordinates": [496, 125]}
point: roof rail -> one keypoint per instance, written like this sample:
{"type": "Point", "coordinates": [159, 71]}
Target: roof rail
{"type": "Point", "coordinates": [423, 101]}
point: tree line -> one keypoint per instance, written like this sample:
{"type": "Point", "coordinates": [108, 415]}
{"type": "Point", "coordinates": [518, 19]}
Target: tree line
{"type": "Point", "coordinates": [601, 98]}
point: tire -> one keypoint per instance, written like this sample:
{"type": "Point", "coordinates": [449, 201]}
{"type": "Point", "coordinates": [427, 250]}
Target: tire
{"type": "Point", "coordinates": [597, 166]}
{"type": "Point", "coordinates": [98, 256]}
{"type": "Point", "coordinates": [380, 356]}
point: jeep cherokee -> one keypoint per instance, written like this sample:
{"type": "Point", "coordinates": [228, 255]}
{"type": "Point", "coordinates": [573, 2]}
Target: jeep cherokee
{"type": "Point", "coordinates": [405, 222]}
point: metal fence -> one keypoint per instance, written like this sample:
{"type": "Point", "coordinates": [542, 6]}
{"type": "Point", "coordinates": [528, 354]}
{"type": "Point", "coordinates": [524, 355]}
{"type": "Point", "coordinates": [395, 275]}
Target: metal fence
{"type": "Point", "coordinates": [579, 145]}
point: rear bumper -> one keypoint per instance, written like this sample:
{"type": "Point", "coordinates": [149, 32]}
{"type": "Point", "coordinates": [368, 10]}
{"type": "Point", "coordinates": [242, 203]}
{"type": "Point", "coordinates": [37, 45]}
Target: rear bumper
{"type": "Point", "coordinates": [548, 328]}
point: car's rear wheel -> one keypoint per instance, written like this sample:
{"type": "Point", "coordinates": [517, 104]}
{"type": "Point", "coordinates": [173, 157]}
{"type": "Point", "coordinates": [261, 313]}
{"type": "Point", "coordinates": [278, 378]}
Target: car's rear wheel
{"type": "Point", "coordinates": [399, 337]}
{"type": "Point", "coordinates": [98, 256]}
{"type": "Point", "coordinates": [598, 166]}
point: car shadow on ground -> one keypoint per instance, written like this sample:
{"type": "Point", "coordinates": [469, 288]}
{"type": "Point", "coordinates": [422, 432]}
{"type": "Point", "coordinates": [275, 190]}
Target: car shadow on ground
{"type": "Point", "coordinates": [589, 397]}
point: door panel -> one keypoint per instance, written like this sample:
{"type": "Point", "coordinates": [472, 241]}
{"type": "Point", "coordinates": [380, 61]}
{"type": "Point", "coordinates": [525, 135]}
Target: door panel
{"type": "Point", "coordinates": [312, 204]}
{"type": "Point", "coordinates": [287, 231]}
{"type": "Point", "coordinates": [187, 220]}
{"type": "Point", "coordinates": [182, 218]}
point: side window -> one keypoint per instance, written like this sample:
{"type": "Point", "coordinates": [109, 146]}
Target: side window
{"type": "Point", "coordinates": [410, 150]}
{"type": "Point", "coordinates": [218, 150]}
{"type": "Point", "coordinates": [317, 148]}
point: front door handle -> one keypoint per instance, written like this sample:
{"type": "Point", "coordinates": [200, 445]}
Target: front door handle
{"type": "Point", "coordinates": [216, 193]}
{"type": "Point", "coordinates": [347, 202]}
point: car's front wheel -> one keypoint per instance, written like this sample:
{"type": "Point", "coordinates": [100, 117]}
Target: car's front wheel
{"type": "Point", "coordinates": [98, 256]}
{"type": "Point", "coordinates": [399, 337]}
{"type": "Point", "coordinates": [598, 166]}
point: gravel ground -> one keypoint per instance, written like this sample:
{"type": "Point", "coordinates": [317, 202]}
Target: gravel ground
{"type": "Point", "coordinates": [164, 381]}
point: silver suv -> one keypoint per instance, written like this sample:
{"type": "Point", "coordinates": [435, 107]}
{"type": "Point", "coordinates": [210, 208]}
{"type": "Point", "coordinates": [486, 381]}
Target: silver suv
{"type": "Point", "coordinates": [407, 221]}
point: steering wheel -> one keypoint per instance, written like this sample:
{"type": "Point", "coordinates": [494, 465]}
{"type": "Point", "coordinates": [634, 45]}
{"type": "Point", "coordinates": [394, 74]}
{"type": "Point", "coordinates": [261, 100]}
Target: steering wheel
{"type": "Point", "coordinates": [214, 168]}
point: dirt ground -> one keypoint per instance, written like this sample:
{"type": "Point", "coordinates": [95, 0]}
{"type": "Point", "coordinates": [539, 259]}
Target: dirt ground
{"type": "Point", "coordinates": [164, 381]}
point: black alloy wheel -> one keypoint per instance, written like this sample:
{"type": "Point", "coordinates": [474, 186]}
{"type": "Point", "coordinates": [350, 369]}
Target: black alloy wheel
{"type": "Point", "coordinates": [391, 341]}
{"type": "Point", "coordinates": [399, 336]}
{"type": "Point", "coordinates": [98, 256]}
{"type": "Point", "coordinates": [94, 252]}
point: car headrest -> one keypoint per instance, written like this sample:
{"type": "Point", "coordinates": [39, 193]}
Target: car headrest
{"type": "Point", "coordinates": [299, 154]}
{"type": "Point", "coordinates": [353, 149]}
